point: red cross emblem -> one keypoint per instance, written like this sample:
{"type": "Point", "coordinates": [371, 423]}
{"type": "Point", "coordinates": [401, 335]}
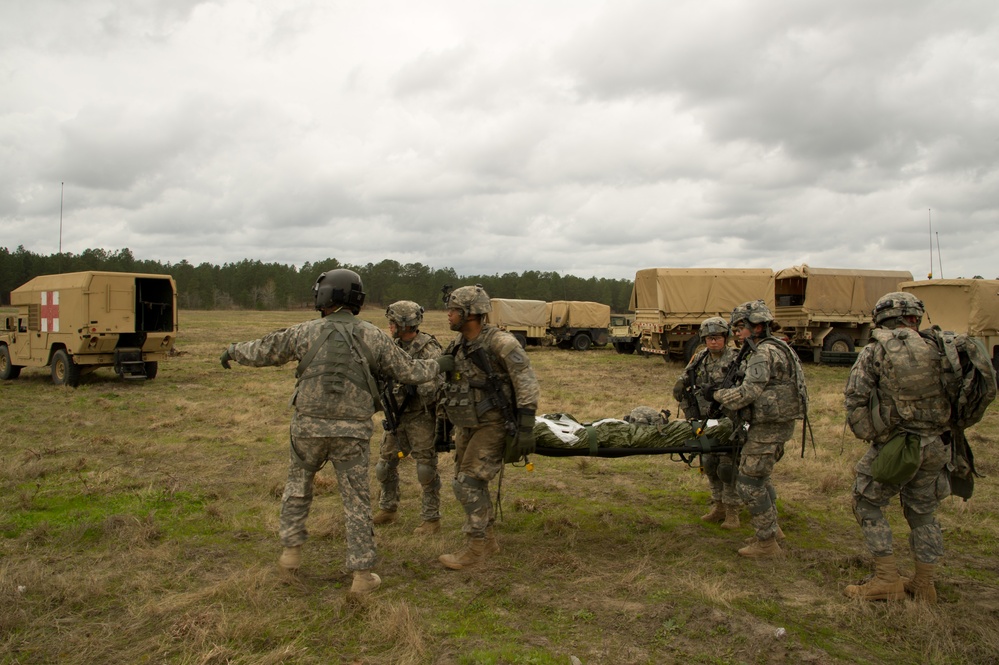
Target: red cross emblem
{"type": "Point", "coordinates": [50, 311]}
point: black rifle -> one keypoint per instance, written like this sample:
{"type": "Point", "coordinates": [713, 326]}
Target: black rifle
{"type": "Point", "coordinates": [494, 388]}
{"type": "Point", "coordinates": [392, 408]}
{"type": "Point", "coordinates": [733, 377]}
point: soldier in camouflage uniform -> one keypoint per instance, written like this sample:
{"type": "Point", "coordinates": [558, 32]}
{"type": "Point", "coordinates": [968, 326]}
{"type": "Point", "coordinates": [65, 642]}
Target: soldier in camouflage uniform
{"type": "Point", "coordinates": [774, 393]}
{"type": "Point", "coordinates": [480, 425]}
{"type": "Point", "coordinates": [894, 388]}
{"type": "Point", "coordinates": [416, 420]}
{"type": "Point", "coordinates": [334, 402]}
{"type": "Point", "coordinates": [706, 370]}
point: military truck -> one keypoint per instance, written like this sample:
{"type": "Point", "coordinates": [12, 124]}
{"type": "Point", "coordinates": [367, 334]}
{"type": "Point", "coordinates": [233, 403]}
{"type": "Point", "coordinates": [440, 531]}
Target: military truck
{"type": "Point", "coordinates": [825, 313]}
{"type": "Point", "coordinates": [578, 324]}
{"type": "Point", "coordinates": [968, 306]}
{"type": "Point", "coordinates": [74, 323]}
{"type": "Point", "coordinates": [670, 303]}
{"type": "Point", "coordinates": [622, 333]}
{"type": "Point", "coordinates": [527, 320]}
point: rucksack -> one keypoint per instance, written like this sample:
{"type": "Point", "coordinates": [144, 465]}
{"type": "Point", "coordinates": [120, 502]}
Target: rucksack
{"type": "Point", "coordinates": [969, 380]}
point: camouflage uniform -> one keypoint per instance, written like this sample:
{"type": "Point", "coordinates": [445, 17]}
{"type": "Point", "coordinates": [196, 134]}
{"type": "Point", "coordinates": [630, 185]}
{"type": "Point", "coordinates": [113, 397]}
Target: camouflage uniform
{"type": "Point", "coordinates": [772, 392]}
{"type": "Point", "coordinates": [479, 425]}
{"type": "Point", "coordinates": [913, 403]}
{"type": "Point", "coordinates": [333, 416]}
{"type": "Point", "coordinates": [414, 436]}
{"type": "Point", "coordinates": [709, 370]}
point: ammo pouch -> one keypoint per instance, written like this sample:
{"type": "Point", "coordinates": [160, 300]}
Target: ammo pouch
{"type": "Point", "coordinates": [962, 466]}
{"type": "Point", "coordinates": [898, 460]}
{"type": "Point", "coordinates": [459, 403]}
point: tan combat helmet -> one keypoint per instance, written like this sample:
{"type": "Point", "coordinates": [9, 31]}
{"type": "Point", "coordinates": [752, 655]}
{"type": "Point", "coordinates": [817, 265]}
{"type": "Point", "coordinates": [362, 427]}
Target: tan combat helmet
{"type": "Point", "coordinates": [753, 312]}
{"type": "Point", "coordinates": [714, 325]}
{"type": "Point", "coordinates": [896, 305]}
{"type": "Point", "coordinates": [405, 314]}
{"type": "Point", "coordinates": [470, 300]}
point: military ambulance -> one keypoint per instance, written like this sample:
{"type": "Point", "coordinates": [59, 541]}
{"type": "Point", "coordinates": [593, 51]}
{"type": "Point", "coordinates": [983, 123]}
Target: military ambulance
{"type": "Point", "coordinates": [74, 323]}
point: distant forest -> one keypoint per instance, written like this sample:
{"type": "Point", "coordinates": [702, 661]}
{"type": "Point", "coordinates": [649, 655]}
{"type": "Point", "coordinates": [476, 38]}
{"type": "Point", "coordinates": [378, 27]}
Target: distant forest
{"type": "Point", "coordinates": [256, 285]}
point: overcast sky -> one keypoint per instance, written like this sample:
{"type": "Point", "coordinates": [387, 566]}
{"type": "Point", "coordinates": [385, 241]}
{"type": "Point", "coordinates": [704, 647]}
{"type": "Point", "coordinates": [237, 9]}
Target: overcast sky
{"type": "Point", "coordinates": [587, 137]}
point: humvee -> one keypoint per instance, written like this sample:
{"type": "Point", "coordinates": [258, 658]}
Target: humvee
{"type": "Point", "coordinates": [74, 323]}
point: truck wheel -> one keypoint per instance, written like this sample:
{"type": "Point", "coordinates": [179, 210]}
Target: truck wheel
{"type": "Point", "coordinates": [7, 369]}
{"type": "Point", "coordinates": [624, 347]}
{"type": "Point", "coordinates": [838, 342]}
{"type": "Point", "coordinates": [64, 371]}
{"type": "Point", "coordinates": [151, 368]}
{"type": "Point", "coordinates": [693, 345]}
{"type": "Point", "coordinates": [581, 342]}
{"type": "Point", "coordinates": [521, 339]}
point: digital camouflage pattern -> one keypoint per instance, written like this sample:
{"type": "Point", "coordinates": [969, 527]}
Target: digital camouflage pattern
{"type": "Point", "coordinates": [895, 386]}
{"type": "Point", "coordinates": [709, 370]}
{"type": "Point", "coordinates": [414, 436]}
{"type": "Point", "coordinates": [771, 390]}
{"type": "Point", "coordinates": [343, 441]}
{"type": "Point", "coordinates": [479, 424]}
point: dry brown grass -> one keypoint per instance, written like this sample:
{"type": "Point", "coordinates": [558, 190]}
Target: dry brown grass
{"type": "Point", "coordinates": [139, 525]}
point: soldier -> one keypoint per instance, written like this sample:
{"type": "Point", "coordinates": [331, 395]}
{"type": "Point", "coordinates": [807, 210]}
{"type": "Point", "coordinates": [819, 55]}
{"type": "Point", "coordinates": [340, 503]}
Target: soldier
{"type": "Point", "coordinates": [334, 399]}
{"type": "Point", "coordinates": [490, 367]}
{"type": "Point", "coordinates": [774, 392]}
{"type": "Point", "coordinates": [415, 422]}
{"type": "Point", "coordinates": [705, 371]}
{"type": "Point", "coordinates": [895, 388]}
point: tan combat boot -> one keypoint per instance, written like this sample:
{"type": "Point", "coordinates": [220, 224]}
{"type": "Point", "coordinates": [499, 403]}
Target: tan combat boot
{"type": "Point", "coordinates": [365, 582]}
{"type": "Point", "coordinates": [761, 549]}
{"type": "Point", "coordinates": [920, 587]}
{"type": "Point", "coordinates": [291, 558]}
{"type": "Point", "coordinates": [474, 552]}
{"type": "Point", "coordinates": [428, 528]}
{"type": "Point", "coordinates": [731, 516]}
{"type": "Point", "coordinates": [384, 517]}
{"type": "Point", "coordinates": [885, 585]}
{"type": "Point", "coordinates": [716, 514]}
{"type": "Point", "coordinates": [780, 537]}
{"type": "Point", "coordinates": [492, 545]}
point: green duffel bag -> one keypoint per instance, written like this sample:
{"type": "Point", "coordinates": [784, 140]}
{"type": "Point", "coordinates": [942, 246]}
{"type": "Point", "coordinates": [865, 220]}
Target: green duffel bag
{"type": "Point", "coordinates": [898, 460]}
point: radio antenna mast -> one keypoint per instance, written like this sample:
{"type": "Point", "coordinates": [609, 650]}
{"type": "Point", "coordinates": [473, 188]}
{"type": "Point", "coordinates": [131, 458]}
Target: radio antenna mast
{"type": "Point", "coordinates": [939, 262]}
{"type": "Point", "coordinates": [929, 220]}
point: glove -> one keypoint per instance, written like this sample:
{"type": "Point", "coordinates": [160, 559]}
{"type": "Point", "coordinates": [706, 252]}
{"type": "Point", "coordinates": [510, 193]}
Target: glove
{"type": "Point", "coordinates": [446, 362]}
{"type": "Point", "coordinates": [225, 358]}
{"type": "Point", "coordinates": [525, 432]}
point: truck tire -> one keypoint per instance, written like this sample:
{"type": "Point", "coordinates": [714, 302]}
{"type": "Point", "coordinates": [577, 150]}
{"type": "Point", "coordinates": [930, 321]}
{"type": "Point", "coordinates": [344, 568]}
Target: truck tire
{"type": "Point", "coordinates": [151, 368]}
{"type": "Point", "coordinates": [693, 345]}
{"type": "Point", "coordinates": [838, 342]}
{"type": "Point", "coordinates": [582, 342]}
{"type": "Point", "coordinates": [8, 370]}
{"type": "Point", "coordinates": [65, 372]}
{"type": "Point", "coordinates": [624, 347]}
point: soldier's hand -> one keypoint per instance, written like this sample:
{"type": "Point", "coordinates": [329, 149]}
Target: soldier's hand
{"type": "Point", "coordinates": [225, 358]}
{"type": "Point", "coordinates": [526, 442]}
{"type": "Point", "coordinates": [446, 362]}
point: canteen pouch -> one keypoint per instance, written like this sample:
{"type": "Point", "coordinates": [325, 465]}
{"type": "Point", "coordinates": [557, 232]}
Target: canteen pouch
{"type": "Point", "coordinates": [898, 460]}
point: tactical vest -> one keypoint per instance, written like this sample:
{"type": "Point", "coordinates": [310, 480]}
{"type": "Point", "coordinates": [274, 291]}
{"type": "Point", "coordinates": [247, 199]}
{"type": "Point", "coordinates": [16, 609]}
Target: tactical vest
{"type": "Point", "coordinates": [336, 359]}
{"type": "Point", "coordinates": [466, 399]}
{"type": "Point", "coordinates": [428, 400]}
{"type": "Point", "coordinates": [785, 397]}
{"type": "Point", "coordinates": [910, 391]}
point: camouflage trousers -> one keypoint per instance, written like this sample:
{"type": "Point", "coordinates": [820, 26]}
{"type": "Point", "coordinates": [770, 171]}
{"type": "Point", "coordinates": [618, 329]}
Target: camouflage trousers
{"type": "Point", "coordinates": [478, 457]}
{"type": "Point", "coordinates": [765, 446]}
{"type": "Point", "coordinates": [414, 437]}
{"type": "Point", "coordinates": [920, 498]}
{"type": "Point", "coordinates": [716, 466]}
{"type": "Point", "coordinates": [349, 458]}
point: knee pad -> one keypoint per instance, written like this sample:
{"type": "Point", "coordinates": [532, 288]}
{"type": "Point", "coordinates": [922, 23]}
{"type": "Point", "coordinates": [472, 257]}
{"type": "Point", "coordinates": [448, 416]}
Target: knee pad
{"type": "Point", "coordinates": [471, 493]}
{"type": "Point", "coordinates": [726, 470]}
{"type": "Point", "coordinates": [772, 491]}
{"type": "Point", "coordinates": [425, 473]}
{"type": "Point", "coordinates": [917, 520]}
{"type": "Point", "coordinates": [865, 511]}
{"type": "Point", "coordinates": [754, 494]}
{"type": "Point", "coordinates": [710, 464]}
{"type": "Point", "coordinates": [382, 470]}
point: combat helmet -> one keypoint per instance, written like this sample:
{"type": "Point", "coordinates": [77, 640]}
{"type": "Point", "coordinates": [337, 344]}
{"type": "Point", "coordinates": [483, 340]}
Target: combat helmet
{"type": "Point", "coordinates": [470, 300]}
{"type": "Point", "coordinates": [340, 287]}
{"type": "Point", "coordinates": [405, 314]}
{"type": "Point", "coordinates": [896, 305]}
{"type": "Point", "coordinates": [714, 325]}
{"type": "Point", "coordinates": [752, 312]}
{"type": "Point", "coordinates": [646, 415]}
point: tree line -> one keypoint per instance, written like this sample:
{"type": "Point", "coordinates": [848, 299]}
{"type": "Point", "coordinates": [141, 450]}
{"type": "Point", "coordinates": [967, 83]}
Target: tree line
{"type": "Point", "coordinates": [251, 284]}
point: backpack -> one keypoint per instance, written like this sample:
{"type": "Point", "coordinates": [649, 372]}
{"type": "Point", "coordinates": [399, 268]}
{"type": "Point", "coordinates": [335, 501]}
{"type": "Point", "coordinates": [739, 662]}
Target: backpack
{"type": "Point", "coordinates": [969, 381]}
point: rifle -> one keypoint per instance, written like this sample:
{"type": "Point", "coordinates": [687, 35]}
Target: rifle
{"type": "Point", "coordinates": [392, 408]}
{"type": "Point", "coordinates": [495, 390]}
{"type": "Point", "coordinates": [733, 377]}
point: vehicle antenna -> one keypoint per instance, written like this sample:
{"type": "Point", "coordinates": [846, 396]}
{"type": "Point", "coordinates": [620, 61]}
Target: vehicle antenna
{"type": "Point", "coordinates": [939, 262]}
{"type": "Point", "coordinates": [929, 220]}
{"type": "Point", "coordinates": [62, 188]}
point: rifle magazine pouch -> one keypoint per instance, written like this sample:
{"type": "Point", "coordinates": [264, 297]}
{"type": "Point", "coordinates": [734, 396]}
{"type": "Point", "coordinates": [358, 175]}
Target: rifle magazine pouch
{"type": "Point", "coordinates": [898, 460]}
{"type": "Point", "coordinates": [459, 403]}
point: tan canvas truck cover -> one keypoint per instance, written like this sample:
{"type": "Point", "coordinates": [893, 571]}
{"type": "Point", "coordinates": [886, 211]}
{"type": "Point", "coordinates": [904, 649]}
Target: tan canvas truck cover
{"type": "Point", "coordinates": [968, 306]}
{"type": "Point", "coordinates": [511, 312]}
{"type": "Point", "coordinates": [690, 295]}
{"type": "Point", "coordinates": [835, 292]}
{"type": "Point", "coordinates": [579, 314]}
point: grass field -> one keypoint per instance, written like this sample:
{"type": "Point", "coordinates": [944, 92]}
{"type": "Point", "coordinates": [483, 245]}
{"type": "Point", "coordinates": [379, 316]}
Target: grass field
{"type": "Point", "coordinates": [138, 524]}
